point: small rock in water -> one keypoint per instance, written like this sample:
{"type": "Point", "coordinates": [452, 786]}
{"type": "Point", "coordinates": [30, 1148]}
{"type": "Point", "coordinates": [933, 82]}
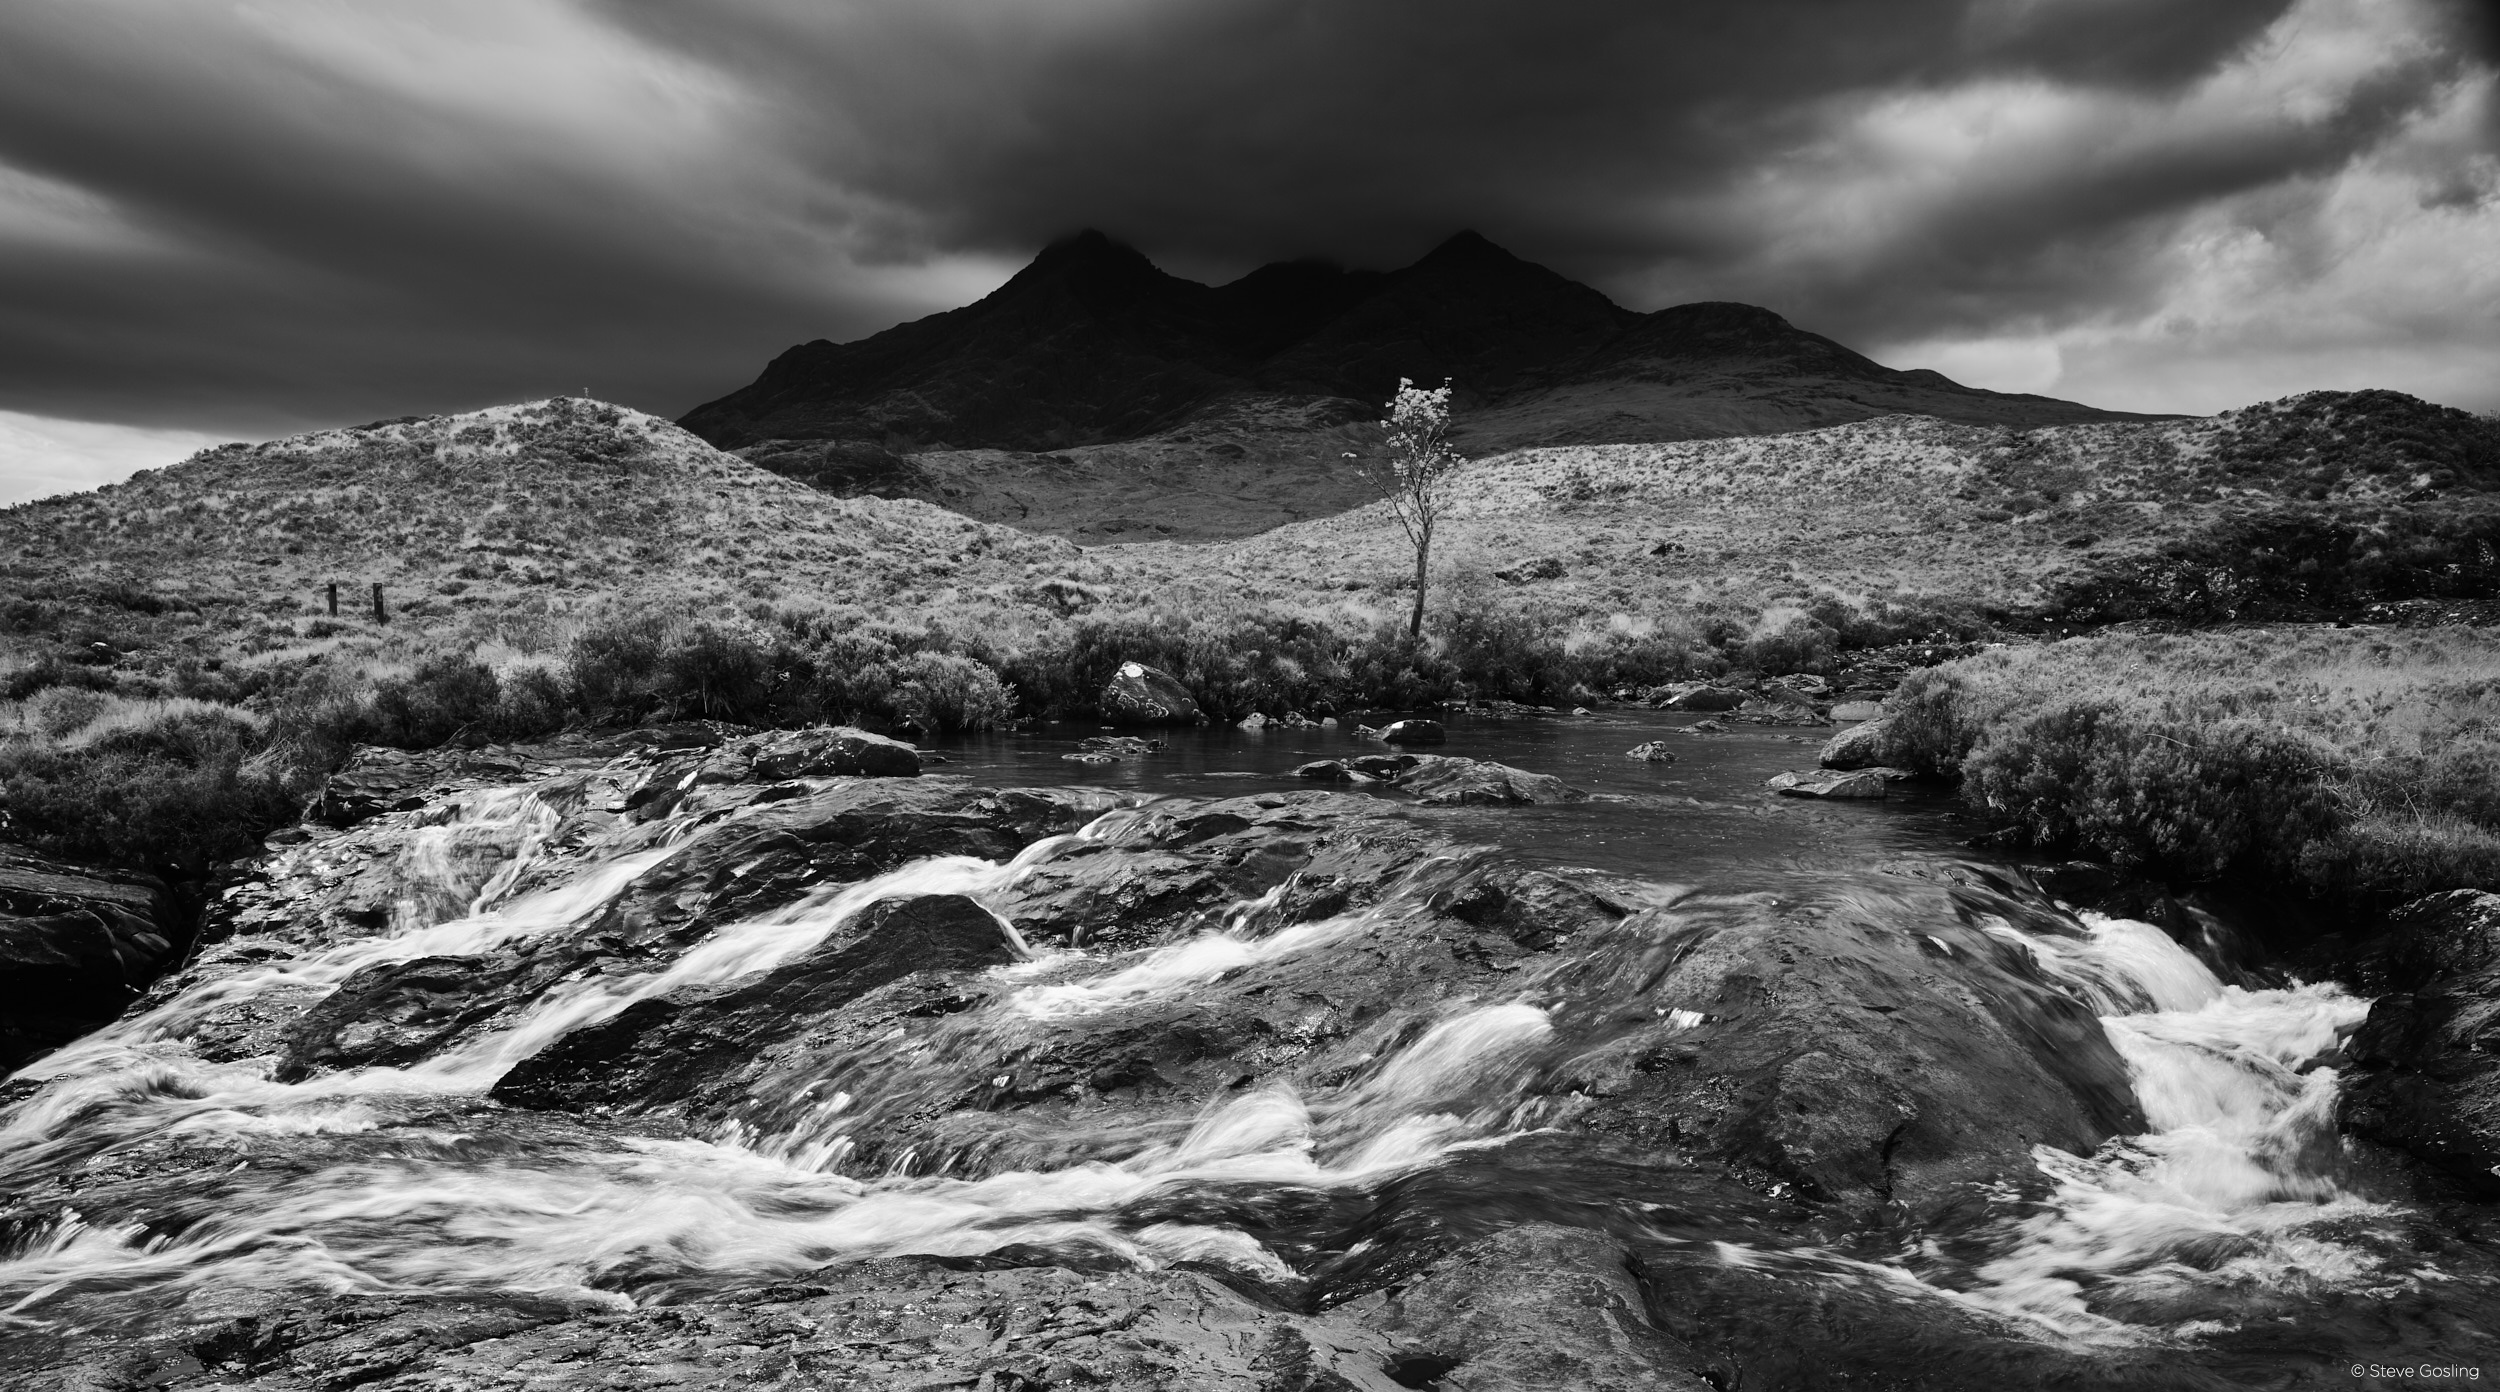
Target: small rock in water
{"type": "Point", "coordinates": [1654, 752]}
{"type": "Point", "coordinates": [1118, 746]}
{"type": "Point", "coordinates": [1829, 783]}
{"type": "Point", "coordinates": [1089, 757]}
{"type": "Point", "coordinates": [1582, 710]}
{"type": "Point", "coordinates": [1706, 698]}
{"type": "Point", "coordinates": [1706, 727]}
{"type": "Point", "coordinates": [1253, 721]}
{"type": "Point", "coordinates": [1415, 732]}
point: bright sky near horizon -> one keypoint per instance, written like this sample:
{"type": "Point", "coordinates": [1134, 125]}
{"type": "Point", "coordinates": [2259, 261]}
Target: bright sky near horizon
{"type": "Point", "coordinates": [235, 221]}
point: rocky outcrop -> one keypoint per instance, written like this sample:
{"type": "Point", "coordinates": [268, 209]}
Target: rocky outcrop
{"type": "Point", "coordinates": [1141, 695]}
{"type": "Point", "coordinates": [2425, 1074]}
{"type": "Point", "coordinates": [1840, 1050]}
{"type": "Point", "coordinates": [76, 945]}
{"type": "Point", "coordinates": [1536, 1308]}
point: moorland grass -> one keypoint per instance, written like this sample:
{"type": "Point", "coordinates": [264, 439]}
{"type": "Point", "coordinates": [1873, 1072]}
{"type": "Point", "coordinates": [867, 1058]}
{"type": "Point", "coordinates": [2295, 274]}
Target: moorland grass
{"type": "Point", "coordinates": [2357, 762]}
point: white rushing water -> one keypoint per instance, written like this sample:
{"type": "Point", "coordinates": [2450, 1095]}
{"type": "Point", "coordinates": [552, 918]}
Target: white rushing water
{"type": "Point", "coordinates": [427, 1211]}
{"type": "Point", "coordinates": [2234, 1184]}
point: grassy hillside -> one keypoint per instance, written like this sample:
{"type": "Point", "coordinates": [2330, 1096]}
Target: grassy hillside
{"type": "Point", "coordinates": [172, 683]}
{"type": "Point", "coordinates": [2355, 761]}
{"type": "Point", "coordinates": [2056, 519]}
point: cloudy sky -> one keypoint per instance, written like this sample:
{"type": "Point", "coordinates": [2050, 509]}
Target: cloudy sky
{"type": "Point", "coordinates": [234, 218]}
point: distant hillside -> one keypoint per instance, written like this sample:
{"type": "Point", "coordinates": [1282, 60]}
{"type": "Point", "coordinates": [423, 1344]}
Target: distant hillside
{"type": "Point", "coordinates": [2008, 519]}
{"type": "Point", "coordinates": [1103, 393]}
{"type": "Point", "coordinates": [500, 524]}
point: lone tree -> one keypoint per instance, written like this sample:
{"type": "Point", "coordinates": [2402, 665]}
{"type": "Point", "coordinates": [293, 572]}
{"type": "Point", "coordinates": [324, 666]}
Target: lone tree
{"type": "Point", "coordinates": [1411, 478]}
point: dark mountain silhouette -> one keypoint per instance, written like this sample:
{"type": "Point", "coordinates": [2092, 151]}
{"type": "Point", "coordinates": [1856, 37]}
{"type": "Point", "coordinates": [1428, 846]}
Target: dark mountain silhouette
{"type": "Point", "coordinates": [1232, 393]}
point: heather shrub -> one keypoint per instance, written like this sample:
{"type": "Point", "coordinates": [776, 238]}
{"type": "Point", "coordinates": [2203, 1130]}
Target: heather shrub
{"type": "Point", "coordinates": [446, 697]}
{"type": "Point", "coordinates": [615, 666]}
{"type": "Point", "coordinates": [2124, 783]}
{"type": "Point", "coordinates": [172, 792]}
{"type": "Point", "coordinates": [943, 692]}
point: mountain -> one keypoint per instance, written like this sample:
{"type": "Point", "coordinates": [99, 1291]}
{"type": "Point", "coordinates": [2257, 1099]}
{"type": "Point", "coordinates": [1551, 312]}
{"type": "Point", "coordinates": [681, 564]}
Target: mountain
{"type": "Point", "coordinates": [1093, 379]}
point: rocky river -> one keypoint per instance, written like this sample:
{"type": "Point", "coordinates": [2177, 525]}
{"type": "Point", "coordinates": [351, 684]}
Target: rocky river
{"type": "Point", "coordinates": [704, 1057]}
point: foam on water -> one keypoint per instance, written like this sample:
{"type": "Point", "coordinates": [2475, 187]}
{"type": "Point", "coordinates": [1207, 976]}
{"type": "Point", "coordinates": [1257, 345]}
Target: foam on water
{"type": "Point", "coordinates": [2234, 1182]}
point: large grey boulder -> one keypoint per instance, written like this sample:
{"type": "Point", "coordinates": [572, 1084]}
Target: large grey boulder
{"type": "Point", "coordinates": [1859, 746]}
{"type": "Point", "coordinates": [1141, 695]}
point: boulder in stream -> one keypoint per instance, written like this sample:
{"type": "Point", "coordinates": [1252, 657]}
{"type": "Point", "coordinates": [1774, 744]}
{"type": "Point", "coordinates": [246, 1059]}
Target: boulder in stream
{"type": "Point", "coordinates": [1835, 785]}
{"type": "Point", "coordinates": [1652, 752]}
{"type": "Point", "coordinates": [1860, 746]}
{"type": "Point", "coordinates": [1444, 781]}
{"type": "Point", "coordinates": [1706, 698]}
{"type": "Point", "coordinates": [2425, 1074]}
{"type": "Point", "coordinates": [1414, 732]}
{"type": "Point", "coordinates": [1141, 695]}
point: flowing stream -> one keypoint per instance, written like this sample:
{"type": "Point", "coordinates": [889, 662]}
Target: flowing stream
{"type": "Point", "coordinates": [2236, 1203]}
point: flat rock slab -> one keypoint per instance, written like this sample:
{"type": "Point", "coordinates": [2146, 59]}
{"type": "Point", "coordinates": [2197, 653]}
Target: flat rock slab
{"type": "Point", "coordinates": [1446, 781]}
{"type": "Point", "coordinates": [1837, 785]}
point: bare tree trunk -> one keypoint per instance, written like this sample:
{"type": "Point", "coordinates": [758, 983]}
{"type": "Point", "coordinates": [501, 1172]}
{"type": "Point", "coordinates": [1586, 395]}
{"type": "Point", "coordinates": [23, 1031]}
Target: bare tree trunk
{"type": "Point", "coordinates": [1423, 558]}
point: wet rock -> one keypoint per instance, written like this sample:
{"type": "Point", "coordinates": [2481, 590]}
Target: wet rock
{"type": "Point", "coordinates": [2425, 1075]}
{"type": "Point", "coordinates": [1653, 752]}
{"type": "Point", "coordinates": [1537, 1308]}
{"type": "Point", "coordinates": [1706, 698]}
{"type": "Point", "coordinates": [663, 1049]}
{"type": "Point", "coordinates": [1455, 782]}
{"type": "Point", "coordinates": [1835, 785]}
{"type": "Point", "coordinates": [1861, 1052]}
{"type": "Point", "coordinates": [1414, 732]}
{"type": "Point", "coordinates": [76, 945]}
{"type": "Point", "coordinates": [1537, 909]}
{"type": "Point", "coordinates": [1442, 781]}
{"type": "Point", "coordinates": [1141, 695]}
{"type": "Point", "coordinates": [1757, 711]}
{"type": "Point", "coordinates": [374, 781]}
{"type": "Point", "coordinates": [1253, 721]}
{"type": "Point", "coordinates": [1706, 727]}
{"type": "Point", "coordinates": [1119, 746]}
{"type": "Point", "coordinates": [1859, 746]}
{"type": "Point", "coordinates": [831, 753]}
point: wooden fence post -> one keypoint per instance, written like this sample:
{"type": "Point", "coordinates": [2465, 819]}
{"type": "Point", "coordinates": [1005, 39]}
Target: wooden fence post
{"type": "Point", "coordinates": [378, 615]}
{"type": "Point", "coordinates": [334, 599]}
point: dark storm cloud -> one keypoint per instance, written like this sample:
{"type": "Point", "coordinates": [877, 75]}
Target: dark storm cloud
{"type": "Point", "coordinates": [297, 211]}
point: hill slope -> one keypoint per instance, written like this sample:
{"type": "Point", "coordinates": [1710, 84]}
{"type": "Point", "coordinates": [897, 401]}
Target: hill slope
{"type": "Point", "coordinates": [503, 521]}
{"type": "Point", "coordinates": [1092, 378]}
{"type": "Point", "coordinates": [1902, 505]}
